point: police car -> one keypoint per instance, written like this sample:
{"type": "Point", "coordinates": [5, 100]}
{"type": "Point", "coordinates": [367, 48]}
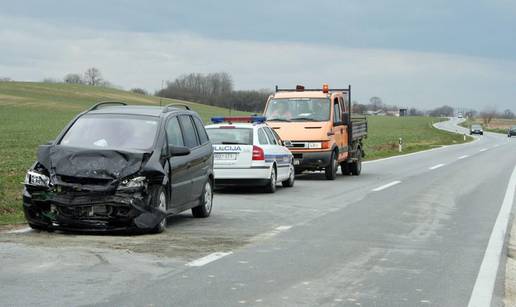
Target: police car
{"type": "Point", "coordinates": [248, 152]}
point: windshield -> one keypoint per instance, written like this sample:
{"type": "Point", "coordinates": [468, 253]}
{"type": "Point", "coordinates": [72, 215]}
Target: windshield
{"type": "Point", "coordinates": [298, 109]}
{"type": "Point", "coordinates": [112, 131]}
{"type": "Point", "coordinates": [476, 127]}
{"type": "Point", "coordinates": [230, 135]}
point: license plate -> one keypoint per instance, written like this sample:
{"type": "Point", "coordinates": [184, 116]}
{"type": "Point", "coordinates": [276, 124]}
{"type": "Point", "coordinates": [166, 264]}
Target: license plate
{"type": "Point", "coordinates": [296, 161]}
{"type": "Point", "coordinates": [225, 156]}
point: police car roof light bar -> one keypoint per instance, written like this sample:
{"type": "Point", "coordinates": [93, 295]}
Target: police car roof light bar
{"type": "Point", "coordinates": [238, 119]}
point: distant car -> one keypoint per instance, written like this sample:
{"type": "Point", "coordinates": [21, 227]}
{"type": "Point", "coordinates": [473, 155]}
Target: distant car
{"type": "Point", "coordinates": [248, 152]}
{"type": "Point", "coordinates": [512, 131]}
{"type": "Point", "coordinates": [460, 115]}
{"type": "Point", "coordinates": [118, 167]}
{"type": "Point", "coordinates": [476, 129]}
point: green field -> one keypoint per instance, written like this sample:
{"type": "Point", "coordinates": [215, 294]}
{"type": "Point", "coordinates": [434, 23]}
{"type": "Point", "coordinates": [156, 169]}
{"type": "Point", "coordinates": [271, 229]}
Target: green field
{"type": "Point", "coordinates": [33, 113]}
{"type": "Point", "coordinates": [417, 133]}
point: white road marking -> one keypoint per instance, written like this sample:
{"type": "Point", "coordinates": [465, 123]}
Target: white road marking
{"type": "Point", "coordinates": [207, 259]}
{"type": "Point", "coordinates": [385, 186]}
{"type": "Point", "coordinates": [484, 285]}
{"type": "Point", "coordinates": [462, 157]}
{"type": "Point", "coordinates": [22, 230]}
{"type": "Point", "coordinates": [436, 166]}
{"type": "Point", "coordinates": [483, 149]}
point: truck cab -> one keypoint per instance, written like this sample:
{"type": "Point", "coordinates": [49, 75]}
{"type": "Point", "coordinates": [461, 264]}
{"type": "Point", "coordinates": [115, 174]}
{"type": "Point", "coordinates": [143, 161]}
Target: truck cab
{"type": "Point", "coordinates": [318, 129]}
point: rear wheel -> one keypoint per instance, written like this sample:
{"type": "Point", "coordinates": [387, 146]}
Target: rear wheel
{"type": "Point", "coordinates": [205, 202]}
{"type": "Point", "coordinates": [331, 170]}
{"type": "Point", "coordinates": [356, 166]}
{"type": "Point", "coordinates": [40, 227]}
{"type": "Point", "coordinates": [290, 181]}
{"type": "Point", "coordinates": [344, 168]}
{"type": "Point", "coordinates": [159, 201]}
{"type": "Point", "coordinates": [271, 184]}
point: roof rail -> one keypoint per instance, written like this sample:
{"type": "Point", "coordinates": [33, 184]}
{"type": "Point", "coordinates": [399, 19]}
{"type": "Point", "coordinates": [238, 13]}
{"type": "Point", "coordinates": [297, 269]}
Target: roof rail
{"type": "Point", "coordinates": [302, 89]}
{"type": "Point", "coordinates": [173, 105]}
{"type": "Point", "coordinates": [99, 104]}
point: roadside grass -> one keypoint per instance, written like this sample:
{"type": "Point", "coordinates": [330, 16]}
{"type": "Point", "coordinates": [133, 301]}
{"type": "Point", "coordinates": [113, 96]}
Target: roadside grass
{"type": "Point", "coordinates": [416, 132]}
{"type": "Point", "coordinates": [497, 125]}
{"type": "Point", "coordinates": [33, 113]}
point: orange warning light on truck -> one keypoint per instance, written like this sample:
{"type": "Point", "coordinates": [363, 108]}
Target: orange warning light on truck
{"type": "Point", "coordinates": [318, 128]}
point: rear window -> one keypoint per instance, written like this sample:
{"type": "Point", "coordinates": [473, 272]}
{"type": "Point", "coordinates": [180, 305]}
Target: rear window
{"type": "Point", "coordinates": [243, 136]}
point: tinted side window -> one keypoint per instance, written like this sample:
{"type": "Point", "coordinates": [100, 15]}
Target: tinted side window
{"type": "Point", "coordinates": [200, 130]}
{"type": "Point", "coordinates": [262, 138]}
{"type": "Point", "coordinates": [174, 135]}
{"type": "Point", "coordinates": [189, 134]}
{"type": "Point", "coordinates": [272, 140]}
{"type": "Point", "coordinates": [337, 113]}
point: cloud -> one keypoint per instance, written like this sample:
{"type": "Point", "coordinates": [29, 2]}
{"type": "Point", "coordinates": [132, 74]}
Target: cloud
{"type": "Point", "coordinates": [34, 50]}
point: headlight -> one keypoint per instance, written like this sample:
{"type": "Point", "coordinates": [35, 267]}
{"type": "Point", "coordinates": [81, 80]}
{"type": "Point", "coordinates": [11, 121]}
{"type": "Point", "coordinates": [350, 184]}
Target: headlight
{"type": "Point", "coordinates": [133, 183]}
{"type": "Point", "coordinates": [315, 145]}
{"type": "Point", "coordinates": [36, 179]}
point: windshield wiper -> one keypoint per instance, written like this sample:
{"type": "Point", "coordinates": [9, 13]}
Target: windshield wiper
{"type": "Point", "coordinates": [305, 118]}
{"type": "Point", "coordinates": [278, 119]}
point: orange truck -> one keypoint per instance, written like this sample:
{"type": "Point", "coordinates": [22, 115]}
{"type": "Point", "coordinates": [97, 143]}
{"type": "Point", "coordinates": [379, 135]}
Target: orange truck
{"type": "Point", "coordinates": [317, 126]}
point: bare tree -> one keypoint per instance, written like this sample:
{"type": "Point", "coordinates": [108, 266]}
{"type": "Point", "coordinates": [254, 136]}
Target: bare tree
{"type": "Point", "coordinates": [140, 91]}
{"type": "Point", "coordinates": [92, 76]}
{"type": "Point", "coordinates": [488, 114]}
{"type": "Point", "coordinates": [376, 103]}
{"type": "Point", "coordinates": [73, 79]}
{"type": "Point", "coordinates": [508, 113]}
{"type": "Point", "coordinates": [5, 79]}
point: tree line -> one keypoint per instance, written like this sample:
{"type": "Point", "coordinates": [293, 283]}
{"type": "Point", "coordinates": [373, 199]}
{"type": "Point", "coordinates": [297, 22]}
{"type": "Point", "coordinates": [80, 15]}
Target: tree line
{"type": "Point", "coordinates": [215, 89]}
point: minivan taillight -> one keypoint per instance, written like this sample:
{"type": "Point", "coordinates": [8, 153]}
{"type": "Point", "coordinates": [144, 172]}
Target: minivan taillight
{"type": "Point", "coordinates": [258, 153]}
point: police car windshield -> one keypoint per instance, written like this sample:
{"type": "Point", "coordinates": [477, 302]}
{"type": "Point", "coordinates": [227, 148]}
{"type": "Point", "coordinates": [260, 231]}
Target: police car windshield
{"type": "Point", "coordinates": [112, 131]}
{"type": "Point", "coordinates": [298, 109]}
{"type": "Point", "coordinates": [231, 135]}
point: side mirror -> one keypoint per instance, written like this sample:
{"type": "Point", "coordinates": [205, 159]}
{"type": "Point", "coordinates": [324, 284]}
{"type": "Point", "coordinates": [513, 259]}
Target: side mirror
{"type": "Point", "coordinates": [287, 143]}
{"type": "Point", "coordinates": [176, 151]}
{"type": "Point", "coordinates": [346, 119]}
{"type": "Point", "coordinates": [50, 142]}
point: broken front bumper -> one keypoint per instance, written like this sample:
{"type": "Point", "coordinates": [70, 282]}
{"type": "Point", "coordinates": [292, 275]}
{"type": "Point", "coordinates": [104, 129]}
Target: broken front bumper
{"type": "Point", "coordinates": [90, 211]}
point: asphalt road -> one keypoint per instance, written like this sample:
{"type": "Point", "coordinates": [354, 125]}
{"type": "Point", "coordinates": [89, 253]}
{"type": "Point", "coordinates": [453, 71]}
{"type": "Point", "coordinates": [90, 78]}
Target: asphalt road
{"type": "Point", "coordinates": [410, 231]}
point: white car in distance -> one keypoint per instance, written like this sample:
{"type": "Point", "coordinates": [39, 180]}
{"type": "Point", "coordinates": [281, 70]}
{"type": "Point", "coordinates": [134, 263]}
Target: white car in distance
{"type": "Point", "coordinates": [248, 152]}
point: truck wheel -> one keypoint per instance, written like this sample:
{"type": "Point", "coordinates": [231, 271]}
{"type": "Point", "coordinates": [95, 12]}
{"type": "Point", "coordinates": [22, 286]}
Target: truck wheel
{"type": "Point", "coordinates": [271, 184]}
{"type": "Point", "coordinates": [344, 168]}
{"type": "Point", "coordinates": [331, 170]}
{"type": "Point", "coordinates": [205, 202]}
{"type": "Point", "coordinates": [356, 167]}
{"type": "Point", "coordinates": [159, 201]}
{"type": "Point", "coordinates": [290, 181]}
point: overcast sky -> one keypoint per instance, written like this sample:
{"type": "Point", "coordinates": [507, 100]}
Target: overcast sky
{"type": "Point", "coordinates": [410, 53]}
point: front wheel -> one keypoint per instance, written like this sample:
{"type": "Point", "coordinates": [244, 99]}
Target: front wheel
{"type": "Point", "coordinates": [159, 201]}
{"type": "Point", "coordinates": [205, 202]}
{"type": "Point", "coordinates": [331, 170]}
{"type": "Point", "coordinates": [290, 181]}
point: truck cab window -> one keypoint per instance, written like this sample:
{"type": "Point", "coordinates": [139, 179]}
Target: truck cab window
{"type": "Point", "coordinates": [337, 112]}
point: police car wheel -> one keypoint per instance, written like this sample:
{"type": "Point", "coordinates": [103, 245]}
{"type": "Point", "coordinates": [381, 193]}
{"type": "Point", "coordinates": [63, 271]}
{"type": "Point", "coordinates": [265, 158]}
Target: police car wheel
{"type": "Point", "coordinates": [290, 181]}
{"type": "Point", "coordinates": [271, 185]}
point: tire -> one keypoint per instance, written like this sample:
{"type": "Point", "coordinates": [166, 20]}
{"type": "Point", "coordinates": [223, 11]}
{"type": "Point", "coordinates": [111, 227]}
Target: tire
{"type": "Point", "coordinates": [344, 168]}
{"type": "Point", "coordinates": [356, 167]}
{"type": "Point", "coordinates": [40, 227]}
{"type": "Point", "coordinates": [159, 201]}
{"type": "Point", "coordinates": [290, 181]}
{"type": "Point", "coordinates": [331, 170]}
{"type": "Point", "coordinates": [271, 184]}
{"type": "Point", "coordinates": [205, 202]}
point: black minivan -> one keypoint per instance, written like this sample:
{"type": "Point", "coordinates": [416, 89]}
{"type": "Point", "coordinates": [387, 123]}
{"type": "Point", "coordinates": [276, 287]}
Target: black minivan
{"type": "Point", "coordinates": [121, 167]}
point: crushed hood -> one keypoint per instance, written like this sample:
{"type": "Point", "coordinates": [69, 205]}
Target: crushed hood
{"type": "Point", "coordinates": [90, 163]}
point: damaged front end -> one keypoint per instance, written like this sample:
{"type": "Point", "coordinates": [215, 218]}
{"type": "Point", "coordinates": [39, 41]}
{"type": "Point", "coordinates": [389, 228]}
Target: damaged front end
{"type": "Point", "coordinates": [90, 190]}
